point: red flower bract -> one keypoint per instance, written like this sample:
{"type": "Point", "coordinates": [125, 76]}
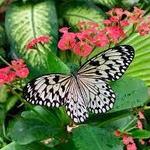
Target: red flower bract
{"type": "Point", "coordinates": [10, 73]}
{"type": "Point", "coordinates": [41, 39]}
{"type": "Point", "coordinates": [100, 39]}
{"type": "Point", "coordinates": [83, 49]}
{"type": "Point", "coordinates": [67, 41]}
{"type": "Point", "coordinates": [131, 146]}
{"type": "Point", "coordinates": [115, 33]}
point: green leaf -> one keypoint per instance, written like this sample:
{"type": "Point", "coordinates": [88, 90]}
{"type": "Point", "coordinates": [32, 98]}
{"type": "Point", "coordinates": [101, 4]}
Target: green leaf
{"type": "Point", "coordinates": [107, 3]}
{"type": "Point", "coordinates": [117, 3]}
{"type": "Point", "coordinates": [86, 137]}
{"type": "Point", "coordinates": [47, 115]}
{"type": "Point", "coordinates": [32, 146]}
{"type": "Point", "coordinates": [2, 36]}
{"type": "Point", "coordinates": [140, 67]}
{"type": "Point", "coordinates": [130, 93]}
{"type": "Point", "coordinates": [81, 11]}
{"type": "Point", "coordinates": [35, 19]}
{"type": "Point", "coordinates": [140, 134]}
{"type": "Point", "coordinates": [27, 131]}
{"type": "Point", "coordinates": [3, 94]}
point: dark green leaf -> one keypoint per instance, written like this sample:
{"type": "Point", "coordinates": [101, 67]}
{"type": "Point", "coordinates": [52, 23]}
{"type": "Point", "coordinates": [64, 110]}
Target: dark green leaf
{"type": "Point", "coordinates": [140, 134]}
{"type": "Point", "coordinates": [130, 93]}
{"type": "Point", "coordinates": [47, 115]}
{"type": "Point", "coordinates": [27, 131]}
{"type": "Point", "coordinates": [2, 36]}
{"type": "Point", "coordinates": [32, 146]}
{"type": "Point", "coordinates": [93, 138]}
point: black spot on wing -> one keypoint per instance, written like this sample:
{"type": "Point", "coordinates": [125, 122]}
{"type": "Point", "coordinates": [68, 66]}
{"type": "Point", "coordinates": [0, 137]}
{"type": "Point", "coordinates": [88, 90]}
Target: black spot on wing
{"type": "Point", "coordinates": [94, 63]}
{"type": "Point", "coordinates": [56, 79]}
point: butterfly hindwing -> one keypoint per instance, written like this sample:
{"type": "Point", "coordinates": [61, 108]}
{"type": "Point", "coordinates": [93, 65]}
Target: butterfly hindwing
{"type": "Point", "coordinates": [49, 90]}
{"type": "Point", "coordinates": [98, 95]}
{"type": "Point", "coordinates": [75, 104]}
{"type": "Point", "coordinates": [109, 65]}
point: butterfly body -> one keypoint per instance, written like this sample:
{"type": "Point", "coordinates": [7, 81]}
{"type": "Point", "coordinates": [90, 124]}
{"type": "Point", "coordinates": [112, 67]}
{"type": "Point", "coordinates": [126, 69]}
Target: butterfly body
{"type": "Point", "coordinates": [84, 90]}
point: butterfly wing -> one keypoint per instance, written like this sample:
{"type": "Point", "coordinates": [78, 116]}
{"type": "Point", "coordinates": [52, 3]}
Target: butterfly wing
{"type": "Point", "coordinates": [97, 94]}
{"type": "Point", "coordinates": [109, 65]}
{"type": "Point", "coordinates": [49, 90]}
{"type": "Point", "coordinates": [75, 104]}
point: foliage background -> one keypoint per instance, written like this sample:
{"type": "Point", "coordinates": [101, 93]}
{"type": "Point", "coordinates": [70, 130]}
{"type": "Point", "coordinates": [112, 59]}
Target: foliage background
{"type": "Point", "coordinates": [23, 126]}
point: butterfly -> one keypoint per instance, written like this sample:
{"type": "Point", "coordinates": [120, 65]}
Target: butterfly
{"type": "Point", "coordinates": [87, 89]}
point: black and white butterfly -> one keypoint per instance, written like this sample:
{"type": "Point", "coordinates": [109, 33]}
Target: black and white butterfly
{"type": "Point", "coordinates": [87, 89]}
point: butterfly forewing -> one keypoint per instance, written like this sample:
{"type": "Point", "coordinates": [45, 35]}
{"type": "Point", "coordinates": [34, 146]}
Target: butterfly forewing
{"type": "Point", "coordinates": [49, 90]}
{"type": "Point", "coordinates": [109, 65]}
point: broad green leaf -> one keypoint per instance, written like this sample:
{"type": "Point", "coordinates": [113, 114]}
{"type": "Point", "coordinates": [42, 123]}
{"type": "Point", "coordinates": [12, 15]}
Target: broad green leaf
{"type": "Point", "coordinates": [32, 146]}
{"type": "Point", "coordinates": [130, 93]}
{"type": "Point", "coordinates": [51, 116]}
{"type": "Point", "coordinates": [140, 67]}
{"type": "Point", "coordinates": [86, 137]}
{"type": "Point", "coordinates": [140, 134]}
{"type": "Point", "coordinates": [75, 12]}
{"type": "Point", "coordinates": [27, 131]}
{"type": "Point", "coordinates": [35, 19]}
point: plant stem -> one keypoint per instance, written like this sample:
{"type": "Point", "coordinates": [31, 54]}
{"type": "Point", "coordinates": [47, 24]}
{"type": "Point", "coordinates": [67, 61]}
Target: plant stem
{"type": "Point", "coordinates": [4, 61]}
{"type": "Point", "coordinates": [146, 107]}
{"type": "Point", "coordinates": [125, 128]}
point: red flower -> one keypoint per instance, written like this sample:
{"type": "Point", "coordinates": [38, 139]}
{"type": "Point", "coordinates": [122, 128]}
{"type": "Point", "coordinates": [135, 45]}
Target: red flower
{"type": "Point", "coordinates": [10, 73]}
{"type": "Point", "coordinates": [142, 141]}
{"type": "Point", "coordinates": [139, 124]}
{"type": "Point", "coordinates": [83, 49]}
{"type": "Point", "coordinates": [131, 146]}
{"type": "Point", "coordinates": [117, 133]}
{"type": "Point", "coordinates": [22, 73]}
{"type": "Point", "coordinates": [40, 39]}
{"type": "Point", "coordinates": [127, 139]}
{"type": "Point", "coordinates": [100, 39]}
{"type": "Point", "coordinates": [17, 64]}
{"type": "Point", "coordinates": [107, 22]}
{"type": "Point", "coordinates": [86, 25]}
{"type": "Point", "coordinates": [64, 30]}
{"type": "Point", "coordinates": [115, 33]}
{"type": "Point", "coordinates": [67, 41]}
{"type": "Point", "coordinates": [144, 28]}
{"type": "Point", "coordinates": [141, 115]}
{"type": "Point", "coordinates": [136, 16]}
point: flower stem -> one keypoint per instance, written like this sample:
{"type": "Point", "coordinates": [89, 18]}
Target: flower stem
{"type": "Point", "coordinates": [127, 126]}
{"type": "Point", "coordinates": [2, 59]}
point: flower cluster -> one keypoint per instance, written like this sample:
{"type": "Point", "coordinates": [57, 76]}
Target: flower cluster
{"type": "Point", "coordinates": [91, 35]}
{"type": "Point", "coordinates": [17, 69]}
{"type": "Point", "coordinates": [127, 140]}
{"type": "Point", "coordinates": [41, 39]}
